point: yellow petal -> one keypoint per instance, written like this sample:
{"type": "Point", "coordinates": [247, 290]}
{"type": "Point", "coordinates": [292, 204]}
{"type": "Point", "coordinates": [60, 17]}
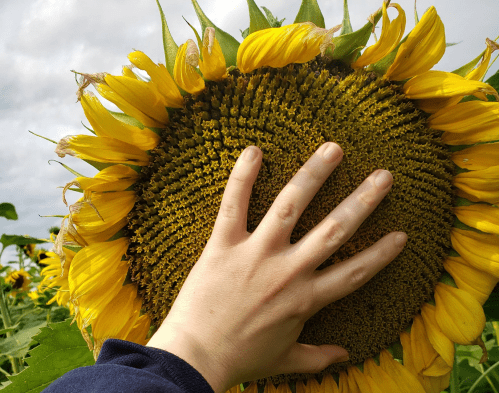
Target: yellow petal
{"type": "Point", "coordinates": [328, 384]}
{"type": "Point", "coordinates": [213, 64]}
{"type": "Point", "coordinates": [458, 314]}
{"type": "Point", "coordinates": [391, 34]}
{"type": "Point", "coordinates": [136, 98]}
{"type": "Point", "coordinates": [477, 157]}
{"type": "Point", "coordinates": [184, 71]}
{"type": "Point", "coordinates": [440, 84]}
{"type": "Point", "coordinates": [283, 388]}
{"type": "Point", "coordinates": [269, 387]}
{"type": "Point", "coordinates": [424, 47]}
{"type": "Point", "coordinates": [477, 283]}
{"type": "Point", "coordinates": [117, 317]}
{"type": "Point", "coordinates": [138, 333]}
{"type": "Point", "coordinates": [365, 383]}
{"type": "Point", "coordinates": [480, 250]}
{"type": "Point", "coordinates": [480, 216]}
{"type": "Point", "coordinates": [127, 71]}
{"type": "Point", "coordinates": [442, 344]}
{"type": "Point", "coordinates": [405, 380]}
{"type": "Point", "coordinates": [105, 210]}
{"type": "Point", "coordinates": [313, 386]}
{"type": "Point", "coordinates": [381, 377]}
{"type": "Point", "coordinates": [479, 72]}
{"type": "Point", "coordinates": [426, 359]}
{"type": "Point", "coordinates": [101, 149]}
{"type": "Point", "coordinates": [429, 384]}
{"type": "Point", "coordinates": [95, 277]}
{"type": "Point", "coordinates": [347, 384]}
{"type": "Point", "coordinates": [101, 233]}
{"type": "Point", "coordinates": [160, 77]}
{"type": "Point", "coordinates": [104, 124]}
{"type": "Point", "coordinates": [112, 178]}
{"type": "Point", "coordinates": [278, 47]}
{"type": "Point", "coordinates": [468, 122]}
{"type": "Point", "coordinates": [483, 184]}
{"type": "Point", "coordinates": [300, 387]}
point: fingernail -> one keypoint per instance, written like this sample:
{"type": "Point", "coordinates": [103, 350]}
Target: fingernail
{"type": "Point", "coordinates": [331, 153]}
{"type": "Point", "coordinates": [383, 179]}
{"type": "Point", "coordinates": [400, 239]}
{"type": "Point", "coordinates": [249, 154]}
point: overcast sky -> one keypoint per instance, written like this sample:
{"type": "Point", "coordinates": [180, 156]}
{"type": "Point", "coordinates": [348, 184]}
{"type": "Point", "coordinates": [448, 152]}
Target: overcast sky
{"type": "Point", "coordinates": [42, 40]}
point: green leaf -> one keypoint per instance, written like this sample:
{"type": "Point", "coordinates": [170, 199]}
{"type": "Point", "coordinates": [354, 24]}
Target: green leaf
{"type": "Point", "coordinates": [494, 81]}
{"type": "Point", "coordinates": [8, 211]}
{"type": "Point", "coordinates": [68, 168]}
{"type": "Point", "coordinates": [357, 40]}
{"type": "Point", "coordinates": [346, 27]}
{"type": "Point", "coordinates": [245, 32]}
{"type": "Point", "coordinates": [273, 21]}
{"type": "Point", "coordinates": [127, 119]}
{"type": "Point", "coordinates": [18, 344]}
{"type": "Point", "coordinates": [310, 12]}
{"type": "Point", "coordinates": [168, 42]}
{"type": "Point", "coordinates": [258, 21]}
{"type": "Point", "coordinates": [491, 306]}
{"type": "Point", "coordinates": [8, 240]}
{"type": "Point", "coordinates": [228, 43]}
{"type": "Point", "coordinates": [61, 349]}
{"type": "Point", "coordinates": [12, 328]}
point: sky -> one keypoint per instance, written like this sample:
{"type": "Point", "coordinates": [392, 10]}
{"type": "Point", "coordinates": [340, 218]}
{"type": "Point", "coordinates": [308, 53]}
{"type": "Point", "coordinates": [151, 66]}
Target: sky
{"type": "Point", "coordinates": [41, 41]}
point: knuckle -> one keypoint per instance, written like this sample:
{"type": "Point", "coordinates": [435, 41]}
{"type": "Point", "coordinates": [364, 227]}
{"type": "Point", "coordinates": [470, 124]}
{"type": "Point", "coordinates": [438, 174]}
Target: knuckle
{"type": "Point", "coordinates": [357, 276]}
{"type": "Point", "coordinates": [286, 211]}
{"type": "Point", "coordinates": [228, 210]}
{"type": "Point", "coordinates": [367, 198]}
{"type": "Point", "coordinates": [336, 233]}
{"type": "Point", "coordinates": [311, 173]}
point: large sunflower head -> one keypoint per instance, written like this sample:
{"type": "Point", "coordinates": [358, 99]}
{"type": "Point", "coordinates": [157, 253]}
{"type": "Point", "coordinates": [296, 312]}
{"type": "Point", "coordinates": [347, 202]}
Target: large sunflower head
{"type": "Point", "coordinates": [164, 162]}
{"type": "Point", "coordinates": [19, 280]}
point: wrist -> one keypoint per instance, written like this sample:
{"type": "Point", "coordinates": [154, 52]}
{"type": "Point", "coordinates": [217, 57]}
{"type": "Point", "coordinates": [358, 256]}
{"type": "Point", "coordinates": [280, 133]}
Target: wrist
{"type": "Point", "coordinates": [191, 350]}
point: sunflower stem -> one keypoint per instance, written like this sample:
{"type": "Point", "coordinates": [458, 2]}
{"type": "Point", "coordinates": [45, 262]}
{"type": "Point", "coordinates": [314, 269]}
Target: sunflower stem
{"type": "Point", "coordinates": [488, 379]}
{"type": "Point", "coordinates": [454, 377]}
{"type": "Point", "coordinates": [483, 376]}
{"type": "Point", "coordinates": [7, 323]}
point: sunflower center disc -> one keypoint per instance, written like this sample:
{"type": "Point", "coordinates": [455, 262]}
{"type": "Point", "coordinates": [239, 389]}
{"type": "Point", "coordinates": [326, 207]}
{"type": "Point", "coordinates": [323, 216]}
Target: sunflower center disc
{"type": "Point", "coordinates": [289, 113]}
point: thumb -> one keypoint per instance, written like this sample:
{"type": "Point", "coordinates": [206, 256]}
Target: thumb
{"type": "Point", "coordinates": [311, 359]}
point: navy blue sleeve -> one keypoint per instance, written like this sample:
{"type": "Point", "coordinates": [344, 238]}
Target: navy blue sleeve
{"type": "Point", "coordinates": [124, 367]}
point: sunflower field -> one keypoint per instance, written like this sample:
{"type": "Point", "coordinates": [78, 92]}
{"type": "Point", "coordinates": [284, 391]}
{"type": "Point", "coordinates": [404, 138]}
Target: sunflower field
{"type": "Point", "coordinates": [427, 323]}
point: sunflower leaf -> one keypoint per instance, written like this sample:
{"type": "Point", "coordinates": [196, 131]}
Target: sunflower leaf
{"type": "Point", "coordinates": [494, 82]}
{"type": "Point", "coordinates": [228, 43]}
{"type": "Point", "coordinates": [8, 211]}
{"type": "Point", "coordinates": [273, 21]}
{"type": "Point", "coordinates": [127, 119]}
{"type": "Point", "coordinates": [61, 349]}
{"type": "Point", "coordinates": [358, 39]}
{"type": "Point", "coordinates": [169, 44]}
{"type": "Point", "coordinates": [346, 27]}
{"type": "Point", "coordinates": [310, 12]}
{"type": "Point", "coordinates": [8, 240]}
{"type": "Point", "coordinates": [258, 21]}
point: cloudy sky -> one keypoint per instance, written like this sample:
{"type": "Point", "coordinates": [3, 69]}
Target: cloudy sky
{"type": "Point", "coordinates": [42, 40]}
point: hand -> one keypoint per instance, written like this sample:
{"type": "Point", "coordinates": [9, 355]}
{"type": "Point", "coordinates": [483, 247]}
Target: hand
{"type": "Point", "coordinates": [241, 309]}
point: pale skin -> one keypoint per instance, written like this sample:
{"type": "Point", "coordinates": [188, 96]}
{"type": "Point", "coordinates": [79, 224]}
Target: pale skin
{"type": "Point", "coordinates": [240, 311]}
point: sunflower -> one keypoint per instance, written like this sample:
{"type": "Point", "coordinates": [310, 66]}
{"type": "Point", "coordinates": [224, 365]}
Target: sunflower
{"type": "Point", "coordinates": [19, 280]}
{"type": "Point", "coordinates": [164, 161]}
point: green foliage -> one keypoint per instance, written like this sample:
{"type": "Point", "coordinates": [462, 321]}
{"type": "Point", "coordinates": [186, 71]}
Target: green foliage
{"type": "Point", "coordinates": [8, 211]}
{"type": "Point", "coordinates": [271, 19]}
{"type": "Point", "coordinates": [228, 43]}
{"type": "Point", "coordinates": [61, 349]}
{"type": "Point", "coordinates": [310, 12]}
{"type": "Point", "coordinates": [9, 240]}
{"type": "Point", "coordinates": [258, 21]}
{"type": "Point", "coordinates": [169, 44]}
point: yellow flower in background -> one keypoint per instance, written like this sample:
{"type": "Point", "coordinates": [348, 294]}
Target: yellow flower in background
{"type": "Point", "coordinates": [143, 220]}
{"type": "Point", "coordinates": [19, 280]}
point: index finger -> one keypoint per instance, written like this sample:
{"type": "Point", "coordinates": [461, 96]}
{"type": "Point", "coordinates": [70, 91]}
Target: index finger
{"type": "Point", "coordinates": [231, 223]}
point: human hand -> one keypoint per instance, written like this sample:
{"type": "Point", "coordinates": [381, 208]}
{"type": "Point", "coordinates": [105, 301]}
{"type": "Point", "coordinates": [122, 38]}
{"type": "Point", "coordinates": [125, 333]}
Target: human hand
{"type": "Point", "coordinates": [240, 311]}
